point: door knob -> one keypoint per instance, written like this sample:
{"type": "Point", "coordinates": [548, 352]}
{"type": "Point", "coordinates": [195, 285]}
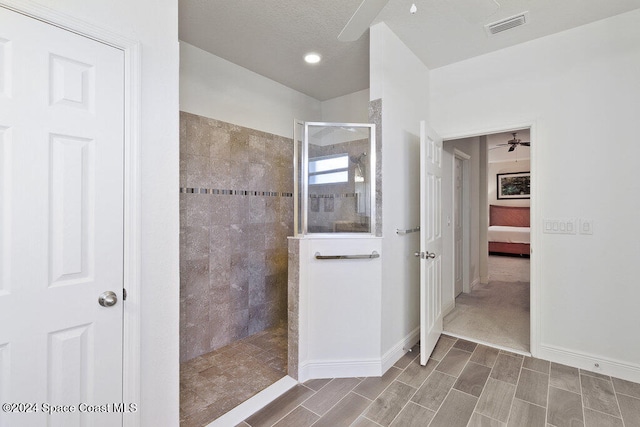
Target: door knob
{"type": "Point", "coordinates": [424, 255]}
{"type": "Point", "coordinates": [107, 299]}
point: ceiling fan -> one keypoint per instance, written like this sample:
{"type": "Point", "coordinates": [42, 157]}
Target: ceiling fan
{"type": "Point", "coordinates": [513, 143]}
{"type": "Point", "coordinates": [361, 19]}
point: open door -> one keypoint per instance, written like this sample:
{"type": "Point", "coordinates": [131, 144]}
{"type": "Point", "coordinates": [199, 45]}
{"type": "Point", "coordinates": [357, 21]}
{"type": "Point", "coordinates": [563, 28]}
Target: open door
{"type": "Point", "coordinates": [430, 240]}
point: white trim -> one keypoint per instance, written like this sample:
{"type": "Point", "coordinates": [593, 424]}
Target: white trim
{"type": "Point", "coordinates": [586, 361]}
{"type": "Point", "coordinates": [509, 161]}
{"type": "Point", "coordinates": [488, 344]}
{"type": "Point", "coordinates": [255, 403]}
{"type": "Point", "coordinates": [466, 220]}
{"type": "Point", "coordinates": [488, 131]}
{"type": "Point", "coordinates": [132, 96]}
{"type": "Point", "coordinates": [400, 349]}
{"type": "Point", "coordinates": [461, 154]}
{"type": "Point", "coordinates": [448, 309]}
{"type": "Point", "coordinates": [340, 369]}
{"type": "Point", "coordinates": [131, 381]}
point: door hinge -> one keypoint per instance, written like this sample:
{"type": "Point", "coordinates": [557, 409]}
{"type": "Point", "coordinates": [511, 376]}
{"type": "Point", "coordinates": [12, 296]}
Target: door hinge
{"type": "Point", "coordinates": [124, 294]}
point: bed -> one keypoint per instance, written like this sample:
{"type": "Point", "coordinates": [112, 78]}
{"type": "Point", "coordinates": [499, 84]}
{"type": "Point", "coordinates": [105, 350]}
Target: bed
{"type": "Point", "coordinates": [509, 230]}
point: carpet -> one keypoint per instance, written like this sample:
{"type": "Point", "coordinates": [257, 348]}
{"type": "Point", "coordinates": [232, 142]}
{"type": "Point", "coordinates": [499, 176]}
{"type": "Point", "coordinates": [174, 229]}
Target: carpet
{"type": "Point", "coordinates": [496, 312]}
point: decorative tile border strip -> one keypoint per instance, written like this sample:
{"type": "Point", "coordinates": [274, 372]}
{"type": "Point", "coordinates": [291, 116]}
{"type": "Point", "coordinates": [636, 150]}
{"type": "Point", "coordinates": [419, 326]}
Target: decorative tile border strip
{"type": "Point", "coordinates": [193, 190]}
{"type": "Point", "coordinates": [332, 196]}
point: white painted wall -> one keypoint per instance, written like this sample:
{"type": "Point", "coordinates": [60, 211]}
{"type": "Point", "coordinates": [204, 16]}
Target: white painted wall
{"type": "Point", "coordinates": [402, 82]}
{"type": "Point", "coordinates": [213, 87]}
{"type": "Point", "coordinates": [340, 319]}
{"type": "Point", "coordinates": [351, 108]}
{"type": "Point", "coordinates": [580, 89]}
{"type": "Point", "coordinates": [155, 24]}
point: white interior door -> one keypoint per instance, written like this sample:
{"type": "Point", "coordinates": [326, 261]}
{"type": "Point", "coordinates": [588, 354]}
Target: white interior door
{"type": "Point", "coordinates": [430, 241]}
{"type": "Point", "coordinates": [61, 224]}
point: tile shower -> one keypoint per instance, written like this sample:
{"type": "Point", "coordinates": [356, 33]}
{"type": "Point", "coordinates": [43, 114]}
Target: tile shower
{"type": "Point", "coordinates": [236, 211]}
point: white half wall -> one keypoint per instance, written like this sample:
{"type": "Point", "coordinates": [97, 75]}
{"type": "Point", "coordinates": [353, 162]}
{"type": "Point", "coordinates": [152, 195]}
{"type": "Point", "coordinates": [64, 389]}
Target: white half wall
{"type": "Point", "coordinates": [155, 25]}
{"type": "Point", "coordinates": [580, 90]}
{"type": "Point", "coordinates": [401, 80]}
{"type": "Point", "coordinates": [339, 308]}
{"type": "Point", "coordinates": [214, 87]}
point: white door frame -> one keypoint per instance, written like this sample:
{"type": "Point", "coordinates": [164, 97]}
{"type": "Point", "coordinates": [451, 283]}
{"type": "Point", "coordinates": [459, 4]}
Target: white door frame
{"type": "Point", "coordinates": [534, 292]}
{"type": "Point", "coordinates": [132, 85]}
{"type": "Point", "coordinates": [466, 222]}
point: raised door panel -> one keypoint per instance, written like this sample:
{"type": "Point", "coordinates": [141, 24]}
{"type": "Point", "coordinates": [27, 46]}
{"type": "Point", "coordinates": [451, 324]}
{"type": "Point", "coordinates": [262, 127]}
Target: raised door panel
{"type": "Point", "coordinates": [430, 241]}
{"type": "Point", "coordinates": [61, 221]}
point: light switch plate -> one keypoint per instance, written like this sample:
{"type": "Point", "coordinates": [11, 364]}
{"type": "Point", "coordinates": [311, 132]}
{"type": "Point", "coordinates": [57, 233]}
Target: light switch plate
{"type": "Point", "coordinates": [586, 226]}
{"type": "Point", "coordinates": [559, 226]}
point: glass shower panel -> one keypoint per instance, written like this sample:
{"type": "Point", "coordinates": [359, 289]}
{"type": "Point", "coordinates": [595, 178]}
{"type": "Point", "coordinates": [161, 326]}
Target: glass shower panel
{"type": "Point", "coordinates": [336, 178]}
{"type": "Point", "coordinates": [298, 157]}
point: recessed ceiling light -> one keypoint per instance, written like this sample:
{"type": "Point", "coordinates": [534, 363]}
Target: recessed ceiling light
{"type": "Point", "coordinates": [312, 58]}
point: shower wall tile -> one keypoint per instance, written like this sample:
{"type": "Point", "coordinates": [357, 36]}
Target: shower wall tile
{"type": "Point", "coordinates": [375, 116]}
{"type": "Point", "coordinates": [196, 242]}
{"type": "Point", "coordinates": [238, 209]}
{"type": "Point", "coordinates": [221, 150]}
{"type": "Point", "coordinates": [221, 173]}
{"type": "Point", "coordinates": [194, 277]}
{"type": "Point", "coordinates": [197, 210]}
{"type": "Point", "coordinates": [293, 297]}
{"type": "Point", "coordinates": [198, 171]}
{"type": "Point", "coordinates": [240, 295]}
{"type": "Point", "coordinates": [233, 247]}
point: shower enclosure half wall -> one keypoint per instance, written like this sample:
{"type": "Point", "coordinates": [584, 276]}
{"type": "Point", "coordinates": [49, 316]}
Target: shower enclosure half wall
{"type": "Point", "coordinates": [334, 257]}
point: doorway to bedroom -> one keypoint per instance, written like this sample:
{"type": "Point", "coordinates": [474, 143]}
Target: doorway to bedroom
{"type": "Point", "coordinates": [486, 224]}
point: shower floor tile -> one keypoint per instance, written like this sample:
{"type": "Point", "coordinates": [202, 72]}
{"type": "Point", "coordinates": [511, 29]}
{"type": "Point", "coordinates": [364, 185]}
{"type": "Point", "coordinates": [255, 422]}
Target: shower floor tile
{"type": "Point", "coordinates": [216, 382]}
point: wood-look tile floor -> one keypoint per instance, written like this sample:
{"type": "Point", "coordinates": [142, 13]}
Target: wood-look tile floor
{"type": "Point", "coordinates": [216, 382]}
{"type": "Point", "coordinates": [463, 384]}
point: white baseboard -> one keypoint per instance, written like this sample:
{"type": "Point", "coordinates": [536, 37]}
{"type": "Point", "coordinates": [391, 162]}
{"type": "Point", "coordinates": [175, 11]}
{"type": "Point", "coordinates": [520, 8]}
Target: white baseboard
{"type": "Point", "coordinates": [339, 369]}
{"type": "Point", "coordinates": [400, 349]}
{"type": "Point", "coordinates": [358, 368]}
{"type": "Point", "coordinates": [254, 404]}
{"type": "Point", "coordinates": [488, 344]}
{"type": "Point", "coordinates": [448, 308]}
{"type": "Point", "coordinates": [588, 362]}
{"type": "Point", "coordinates": [477, 281]}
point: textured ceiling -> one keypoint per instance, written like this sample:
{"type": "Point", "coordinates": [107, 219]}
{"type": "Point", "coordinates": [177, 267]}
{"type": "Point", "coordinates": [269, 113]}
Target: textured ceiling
{"type": "Point", "coordinates": [270, 37]}
{"type": "Point", "coordinates": [447, 31]}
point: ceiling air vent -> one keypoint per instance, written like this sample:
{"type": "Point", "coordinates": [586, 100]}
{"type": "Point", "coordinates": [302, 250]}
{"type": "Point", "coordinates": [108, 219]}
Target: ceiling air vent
{"type": "Point", "coordinates": [506, 24]}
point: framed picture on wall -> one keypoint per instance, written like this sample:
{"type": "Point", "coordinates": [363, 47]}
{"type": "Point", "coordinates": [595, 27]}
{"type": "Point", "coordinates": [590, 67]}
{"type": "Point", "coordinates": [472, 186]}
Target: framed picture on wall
{"type": "Point", "coordinates": [514, 185]}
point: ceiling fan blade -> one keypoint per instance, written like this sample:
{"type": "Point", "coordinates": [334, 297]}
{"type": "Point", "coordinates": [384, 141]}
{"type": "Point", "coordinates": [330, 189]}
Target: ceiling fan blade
{"type": "Point", "coordinates": [513, 147]}
{"type": "Point", "coordinates": [528, 144]}
{"type": "Point", "coordinates": [361, 20]}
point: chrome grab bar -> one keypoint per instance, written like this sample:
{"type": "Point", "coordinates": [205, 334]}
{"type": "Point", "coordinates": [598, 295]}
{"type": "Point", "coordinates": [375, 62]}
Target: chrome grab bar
{"type": "Point", "coordinates": [373, 254]}
{"type": "Point", "coordinates": [412, 230]}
